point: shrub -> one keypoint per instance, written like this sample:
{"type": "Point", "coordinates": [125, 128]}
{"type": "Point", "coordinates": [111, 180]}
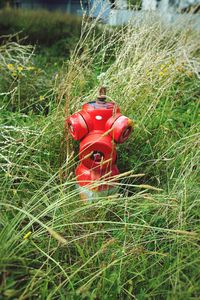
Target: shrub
{"type": "Point", "coordinates": [42, 27]}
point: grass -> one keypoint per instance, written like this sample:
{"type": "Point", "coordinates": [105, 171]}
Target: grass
{"type": "Point", "coordinates": [57, 30]}
{"type": "Point", "coordinates": [141, 243]}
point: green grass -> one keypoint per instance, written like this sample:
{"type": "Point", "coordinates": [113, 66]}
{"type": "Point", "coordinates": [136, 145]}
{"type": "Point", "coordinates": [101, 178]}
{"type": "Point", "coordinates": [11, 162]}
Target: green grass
{"type": "Point", "coordinates": [141, 243]}
{"type": "Point", "coordinates": [55, 30]}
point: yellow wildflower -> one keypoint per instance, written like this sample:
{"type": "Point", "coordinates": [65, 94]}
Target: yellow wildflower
{"type": "Point", "coordinates": [162, 66]}
{"type": "Point", "coordinates": [27, 235]}
{"type": "Point", "coordinates": [41, 98]}
{"type": "Point", "coordinates": [10, 67]}
{"type": "Point", "coordinates": [20, 68]}
{"type": "Point", "coordinates": [30, 68]}
{"type": "Point", "coordinates": [165, 70]}
{"type": "Point", "coordinates": [147, 73]}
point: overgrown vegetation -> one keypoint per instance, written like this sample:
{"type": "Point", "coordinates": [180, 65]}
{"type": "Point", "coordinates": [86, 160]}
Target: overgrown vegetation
{"type": "Point", "coordinates": [141, 243]}
{"type": "Point", "coordinates": [57, 30]}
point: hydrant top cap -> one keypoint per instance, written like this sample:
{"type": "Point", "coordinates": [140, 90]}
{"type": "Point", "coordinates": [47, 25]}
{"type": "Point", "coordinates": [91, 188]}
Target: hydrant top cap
{"type": "Point", "coordinates": [93, 105]}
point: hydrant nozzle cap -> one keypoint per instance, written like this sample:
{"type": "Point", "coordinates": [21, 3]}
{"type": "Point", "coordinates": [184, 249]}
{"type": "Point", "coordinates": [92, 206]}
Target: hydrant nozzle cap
{"type": "Point", "coordinates": [102, 94]}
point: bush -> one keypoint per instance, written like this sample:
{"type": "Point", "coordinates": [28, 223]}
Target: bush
{"type": "Point", "coordinates": [42, 27]}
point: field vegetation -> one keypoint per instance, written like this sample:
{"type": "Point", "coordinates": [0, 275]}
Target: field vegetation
{"type": "Point", "coordinates": [143, 241]}
{"type": "Point", "coordinates": [56, 31]}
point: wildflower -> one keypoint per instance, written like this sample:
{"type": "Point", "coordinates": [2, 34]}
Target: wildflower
{"type": "Point", "coordinates": [162, 66]}
{"type": "Point", "coordinates": [41, 98]}
{"type": "Point", "coordinates": [27, 235]}
{"type": "Point", "coordinates": [164, 70]}
{"type": "Point", "coordinates": [30, 68]}
{"type": "Point", "coordinates": [148, 73]}
{"type": "Point", "coordinates": [20, 68]}
{"type": "Point", "coordinates": [14, 74]}
{"type": "Point", "coordinates": [10, 67]}
{"type": "Point", "coordinates": [161, 74]}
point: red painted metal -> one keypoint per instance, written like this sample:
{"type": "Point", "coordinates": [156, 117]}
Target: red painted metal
{"type": "Point", "coordinates": [100, 180]}
{"type": "Point", "coordinates": [98, 126]}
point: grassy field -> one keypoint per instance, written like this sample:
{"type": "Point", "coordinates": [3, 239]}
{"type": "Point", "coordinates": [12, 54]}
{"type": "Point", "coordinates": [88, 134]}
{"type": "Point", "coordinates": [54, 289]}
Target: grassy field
{"type": "Point", "coordinates": [141, 243]}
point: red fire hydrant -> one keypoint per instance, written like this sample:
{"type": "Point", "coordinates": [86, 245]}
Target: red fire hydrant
{"type": "Point", "coordinates": [98, 127]}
